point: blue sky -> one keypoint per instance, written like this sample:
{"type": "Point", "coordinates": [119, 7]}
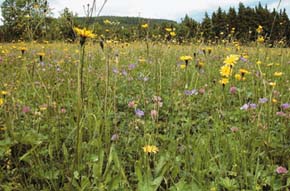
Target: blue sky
{"type": "Point", "coordinates": [167, 9]}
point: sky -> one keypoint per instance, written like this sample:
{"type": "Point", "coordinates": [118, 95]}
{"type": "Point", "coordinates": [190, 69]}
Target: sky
{"type": "Point", "coordinates": [166, 9]}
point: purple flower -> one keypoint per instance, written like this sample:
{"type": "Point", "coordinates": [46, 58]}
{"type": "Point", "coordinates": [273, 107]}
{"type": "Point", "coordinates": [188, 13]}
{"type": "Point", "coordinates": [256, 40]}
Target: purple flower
{"type": "Point", "coordinates": [243, 59]}
{"type": "Point", "coordinates": [191, 92]}
{"type": "Point", "coordinates": [139, 113]}
{"type": "Point", "coordinates": [115, 71]}
{"type": "Point", "coordinates": [263, 100]}
{"type": "Point", "coordinates": [132, 66]}
{"type": "Point", "coordinates": [245, 107]}
{"type": "Point", "coordinates": [124, 72]}
{"type": "Point", "coordinates": [253, 106]}
{"type": "Point", "coordinates": [115, 137]}
{"type": "Point", "coordinates": [285, 106]}
{"type": "Point", "coordinates": [281, 170]}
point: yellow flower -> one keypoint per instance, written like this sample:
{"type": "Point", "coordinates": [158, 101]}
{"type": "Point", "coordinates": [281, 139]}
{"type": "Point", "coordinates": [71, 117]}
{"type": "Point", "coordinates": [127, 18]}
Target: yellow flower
{"type": "Point", "coordinates": [41, 54]}
{"type": "Point", "coordinates": [4, 92]}
{"type": "Point", "coordinates": [274, 100]}
{"type": "Point", "coordinates": [224, 81]}
{"type": "Point", "coordinates": [1, 101]}
{"type": "Point", "coordinates": [258, 62]}
{"type": "Point", "coordinates": [238, 77]}
{"type": "Point", "coordinates": [259, 29]}
{"type": "Point", "coordinates": [150, 149]}
{"type": "Point", "coordinates": [260, 39]}
{"type": "Point", "coordinates": [182, 66]}
{"type": "Point", "coordinates": [168, 29]}
{"type": "Point", "coordinates": [273, 84]}
{"type": "Point", "coordinates": [226, 71]}
{"type": "Point", "coordinates": [84, 33]}
{"type": "Point", "coordinates": [107, 22]}
{"type": "Point", "coordinates": [244, 71]}
{"type": "Point", "coordinates": [278, 74]}
{"type": "Point", "coordinates": [173, 34]}
{"type": "Point", "coordinates": [145, 26]}
{"type": "Point", "coordinates": [232, 59]}
{"type": "Point", "coordinates": [185, 58]}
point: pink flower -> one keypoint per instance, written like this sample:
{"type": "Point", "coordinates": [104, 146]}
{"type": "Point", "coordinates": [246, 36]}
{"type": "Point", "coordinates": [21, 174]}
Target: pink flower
{"type": "Point", "coordinates": [233, 90]}
{"type": "Point", "coordinates": [281, 170]}
{"type": "Point", "coordinates": [234, 129]}
{"type": "Point", "coordinates": [201, 90]}
{"type": "Point", "coordinates": [131, 104]}
{"type": "Point", "coordinates": [281, 113]}
{"type": "Point", "coordinates": [63, 110]}
{"type": "Point", "coordinates": [25, 109]}
{"type": "Point", "coordinates": [154, 114]}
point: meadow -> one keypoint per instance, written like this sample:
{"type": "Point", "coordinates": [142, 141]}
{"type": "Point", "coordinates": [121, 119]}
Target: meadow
{"type": "Point", "coordinates": [144, 116]}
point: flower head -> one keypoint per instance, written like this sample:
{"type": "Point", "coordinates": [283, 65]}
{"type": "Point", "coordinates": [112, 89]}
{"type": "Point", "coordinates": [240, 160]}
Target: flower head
{"type": "Point", "coordinates": [139, 113]}
{"type": "Point", "coordinates": [145, 26]}
{"type": "Point", "coordinates": [84, 33]}
{"type": "Point", "coordinates": [281, 170]}
{"type": "Point", "coordinates": [226, 71]}
{"type": "Point", "coordinates": [231, 59]}
{"type": "Point", "coordinates": [150, 149]}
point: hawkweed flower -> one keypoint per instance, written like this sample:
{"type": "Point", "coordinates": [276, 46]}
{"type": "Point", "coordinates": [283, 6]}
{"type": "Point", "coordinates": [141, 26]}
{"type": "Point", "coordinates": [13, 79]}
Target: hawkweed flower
{"type": "Point", "coordinates": [260, 39]}
{"type": "Point", "coordinates": [226, 71]}
{"type": "Point", "coordinates": [84, 34]}
{"type": "Point", "coordinates": [224, 81]}
{"type": "Point", "coordinates": [1, 101]}
{"type": "Point", "coordinates": [243, 72]}
{"type": "Point", "coordinates": [281, 170]}
{"type": "Point", "coordinates": [259, 29]}
{"type": "Point", "coordinates": [150, 149]}
{"type": "Point", "coordinates": [23, 49]}
{"type": "Point", "coordinates": [231, 59]}
{"type": "Point", "coordinates": [186, 59]}
{"type": "Point", "coordinates": [41, 55]}
{"type": "Point", "coordinates": [278, 74]}
{"type": "Point", "coordinates": [145, 26]}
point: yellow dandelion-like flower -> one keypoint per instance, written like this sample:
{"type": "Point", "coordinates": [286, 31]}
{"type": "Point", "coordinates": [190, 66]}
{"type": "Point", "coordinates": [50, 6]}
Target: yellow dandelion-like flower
{"type": "Point", "coordinates": [185, 58]}
{"type": "Point", "coordinates": [1, 101]}
{"type": "Point", "coordinates": [4, 92]}
{"type": "Point", "coordinates": [259, 29]}
{"type": "Point", "coordinates": [145, 26]}
{"type": "Point", "coordinates": [226, 71]}
{"type": "Point", "coordinates": [224, 81]}
{"type": "Point", "coordinates": [182, 66]}
{"type": "Point", "coordinates": [260, 39]}
{"type": "Point", "coordinates": [41, 54]}
{"type": "Point", "coordinates": [274, 100]}
{"type": "Point", "coordinates": [278, 74]}
{"type": "Point", "coordinates": [150, 149]}
{"type": "Point", "coordinates": [238, 77]}
{"type": "Point", "coordinates": [107, 22]}
{"type": "Point", "coordinates": [168, 29]}
{"type": "Point", "coordinates": [231, 59]}
{"type": "Point", "coordinates": [173, 34]}
{"type": "Point", "coordinates": [258, 62]}
{"type": "Point", "coordinates": [244, 71]}
{"type": "Point", "coordinates": [273, 84]}
{"type": "Point", "coordinates": [84, 33]}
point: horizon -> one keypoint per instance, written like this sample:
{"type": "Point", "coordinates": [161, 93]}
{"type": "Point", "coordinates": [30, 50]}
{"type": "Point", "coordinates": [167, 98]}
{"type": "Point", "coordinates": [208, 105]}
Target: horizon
{"type": "Point", "coordinates": [144, 9]}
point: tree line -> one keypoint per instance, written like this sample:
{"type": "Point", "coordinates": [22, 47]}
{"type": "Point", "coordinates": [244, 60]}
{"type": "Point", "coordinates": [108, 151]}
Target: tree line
{"type": "Point", "coordinates": [32, 20]}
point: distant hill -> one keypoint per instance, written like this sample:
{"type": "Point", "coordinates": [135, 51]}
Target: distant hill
{"type": "Point", "coordinates": [125, 21]}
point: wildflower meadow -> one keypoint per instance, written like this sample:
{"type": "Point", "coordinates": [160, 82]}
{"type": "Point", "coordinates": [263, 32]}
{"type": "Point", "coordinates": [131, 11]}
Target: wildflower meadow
{"type": "Point", "coordinates": [147, 115]}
